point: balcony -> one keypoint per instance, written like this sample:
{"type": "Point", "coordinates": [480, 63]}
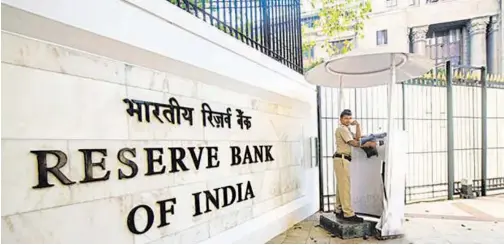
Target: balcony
{"type": "Point", "coordinates": [272, 27]}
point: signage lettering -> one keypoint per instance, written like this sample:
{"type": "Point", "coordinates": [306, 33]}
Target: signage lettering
{"type": "Point", "coordinates": [261, 153]}
{"type": "Point", "coordinates": [94, 162]}
{"type": "Point", "coordinates": [178, 161]}
{"type": "Point", "coordinates": [228, 194]}
{"type": "Point", "coordinates": [121, 156]}
{"type": "Point", "coordinates": [43, 170]}
{"type": "Point", "coordinates": [174, 112]}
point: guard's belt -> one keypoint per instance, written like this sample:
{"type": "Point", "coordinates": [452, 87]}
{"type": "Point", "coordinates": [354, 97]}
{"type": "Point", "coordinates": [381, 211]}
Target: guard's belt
{"type": "Point", "coordinates": [337, 155]}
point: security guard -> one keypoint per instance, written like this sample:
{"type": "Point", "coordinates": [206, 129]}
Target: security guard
{"type": "Point", "coordinates": [345, 139]}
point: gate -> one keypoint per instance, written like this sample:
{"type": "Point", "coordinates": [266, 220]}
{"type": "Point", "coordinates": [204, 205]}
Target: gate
{"type": "Point", "coordinates": [424, 113]}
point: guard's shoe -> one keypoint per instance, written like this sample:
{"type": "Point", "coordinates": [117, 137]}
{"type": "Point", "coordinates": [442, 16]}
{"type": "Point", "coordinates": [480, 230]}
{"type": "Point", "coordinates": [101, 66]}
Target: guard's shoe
{"type": "Point", "coordinates": [354, 218]}
{"type": "Point", "coordinates": [339, 215]}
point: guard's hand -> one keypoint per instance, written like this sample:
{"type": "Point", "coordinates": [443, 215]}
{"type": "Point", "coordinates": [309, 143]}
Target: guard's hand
{"type": "Point", "coordinates": [354, 123]}
{"type": "Point", "coordinates": [369, 144]}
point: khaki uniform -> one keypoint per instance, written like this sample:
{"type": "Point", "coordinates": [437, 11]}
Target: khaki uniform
{"type": "Point", "coordinates": [342, 171]}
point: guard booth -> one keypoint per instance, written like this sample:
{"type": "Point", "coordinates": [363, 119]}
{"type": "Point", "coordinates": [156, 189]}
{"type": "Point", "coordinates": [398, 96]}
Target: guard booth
{"type": "Point", "coordinates": [449, 111]}
{"type": "Point", "coordinates": [377, 183]}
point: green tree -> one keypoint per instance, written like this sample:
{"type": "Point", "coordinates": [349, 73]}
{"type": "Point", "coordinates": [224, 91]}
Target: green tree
{"type": "Point", "coordinates": [211, 7]}
{"type": "Point", "coordinates": [336, 17]}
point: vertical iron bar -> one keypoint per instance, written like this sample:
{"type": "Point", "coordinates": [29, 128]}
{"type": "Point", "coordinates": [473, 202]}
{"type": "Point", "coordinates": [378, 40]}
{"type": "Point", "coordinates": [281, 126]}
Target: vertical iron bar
{"type": "Point", "coordinates": [265, 26]}
{"type": "Point", "coordinates": [292, 47]}
{"type": "Point", "coordinates": [430, 156]}
{"type": "Point", "coordinates": [299, 42]}
{"type": "Point", "coordinates": [186, 5]}
{"type": "Point", "coordinates": [280, 25]}
{"type": "Point", "coordinates": [282, 30]}
{"type": "Point", "coordinates": [326, 149]}
{"type": "Point", "coordinates": [195, 8]}
{"type": "Point", "coordinates": [271, 24]}
{"type": "Point", "coordinates": [235, 27]}
{"type": "Point", "coordinates": [203, 4]}
{"type": "Point", "coordinates": [331, 150]}
{"type": "Point", "coordinates": [230, 11]}
{"type": "Point", "coordinates": [449, 112]}
{"type": "Point", "coordinates": [275, 28]}
{"type": "Point", "coordinates": [285, 32]}
{"type": "Point", "coordinates": [218, 15]}
{"type": "Point", "coordinates": [272, 28]}
{"type": "Point", "coordinates": [211, 12]}
{"type": "Point", "coordinates": [252, 20]}
{"type": "Point", "coordinates": [404, 128]}
{"type": "Point", "coordinates": [288, 47]}
{"type": "Point", "coordinates": [261, 7]}
{"type": "Point", "coordinates": [288, 29]}
{"type": "Point", "coordinates": [403, 88]}
{"type": "Point", "coordinates": [320, 153]}
{"type": "Point", "coordinates": [251, 37]}
{"type": "Point", "coordinates": [355, 105]}
{"type": "Point", "coordinates": [484, 140]}
{"type": "Point", "coordinates": [256, 36]}
{"type": "Point", "coordinates": [289, 20]}
{"type": "Point", "coordinates": [224, 14]}
{"type": "Point", "coordinates": [247, 34]}
{"type": "Point", "coordinates": [267, 33]}
{"type": "Point", "coordinates": [241, 19]}
{"type": "Point", "coordinates": [472, 146]}
{"type": "Point", "coordinates": [294, 33]}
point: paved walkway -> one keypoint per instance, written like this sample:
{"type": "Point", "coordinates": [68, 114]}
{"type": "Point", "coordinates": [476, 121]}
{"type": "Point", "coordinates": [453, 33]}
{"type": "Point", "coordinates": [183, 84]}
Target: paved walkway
{"type": "Point", "coordinates": [463, 221]}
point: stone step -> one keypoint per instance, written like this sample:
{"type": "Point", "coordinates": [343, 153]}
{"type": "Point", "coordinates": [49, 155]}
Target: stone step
{"type": "Point", "coordinates": [345, 229]}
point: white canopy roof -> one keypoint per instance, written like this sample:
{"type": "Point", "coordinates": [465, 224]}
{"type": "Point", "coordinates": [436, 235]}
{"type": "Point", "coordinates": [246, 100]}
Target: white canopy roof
{"type": "Point", "coordinates": [366, 68]}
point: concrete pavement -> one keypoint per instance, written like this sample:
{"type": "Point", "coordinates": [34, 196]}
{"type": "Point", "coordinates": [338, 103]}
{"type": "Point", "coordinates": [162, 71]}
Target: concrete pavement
{"type": "Point", "coordinates": [463, 221]}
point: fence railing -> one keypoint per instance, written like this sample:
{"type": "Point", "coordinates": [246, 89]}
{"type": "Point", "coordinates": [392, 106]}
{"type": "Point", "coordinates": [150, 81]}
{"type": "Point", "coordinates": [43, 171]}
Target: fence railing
{"type": "Point", "coordinates": [271, 26]}
{"type": "Point", "coordinates": [424, 114]}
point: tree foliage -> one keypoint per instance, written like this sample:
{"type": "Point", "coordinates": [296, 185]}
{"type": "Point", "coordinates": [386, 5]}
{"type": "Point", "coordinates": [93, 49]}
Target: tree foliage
{"type": "Point", "coordinates": [190, 4]}
{"type": "Point", "coordinates": [337, 17]}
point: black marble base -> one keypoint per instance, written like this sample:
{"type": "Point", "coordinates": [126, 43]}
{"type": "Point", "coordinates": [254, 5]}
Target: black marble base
{"type": "Point", "coordinates": [381, 238]}
{"type": "Point", "coordinates": [466, 192]}
{"type": "Point", "coordinates": [345, 229]}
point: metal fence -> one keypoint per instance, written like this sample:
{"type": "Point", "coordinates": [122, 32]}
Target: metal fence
{"type": "Point", "coordinates": [423, 113]}
{"type": "Point", "coordinates": [270, 26]}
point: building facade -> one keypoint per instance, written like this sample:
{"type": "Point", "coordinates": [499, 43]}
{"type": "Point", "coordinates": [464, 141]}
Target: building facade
{"type": "Point", "coordinates": [467, 32]}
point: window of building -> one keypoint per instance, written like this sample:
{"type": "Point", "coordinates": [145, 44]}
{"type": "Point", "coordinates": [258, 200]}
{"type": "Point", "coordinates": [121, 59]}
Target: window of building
{"type": "Point", "coordinates": [339, 44]}
{"type": "Point", "coordinates": [391, 3]}
{"type": "Point", "coordinates": [309, 21]}
{"type": "Point", "coordinates": [445, 45]}
{"type": "Point", "coordinates": [381, 37]}
{"type": "Point", "coordinates": [309, 54]}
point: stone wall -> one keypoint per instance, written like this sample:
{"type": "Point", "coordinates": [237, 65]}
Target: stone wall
{"type": "Point", "coordinates": [121, 174]}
